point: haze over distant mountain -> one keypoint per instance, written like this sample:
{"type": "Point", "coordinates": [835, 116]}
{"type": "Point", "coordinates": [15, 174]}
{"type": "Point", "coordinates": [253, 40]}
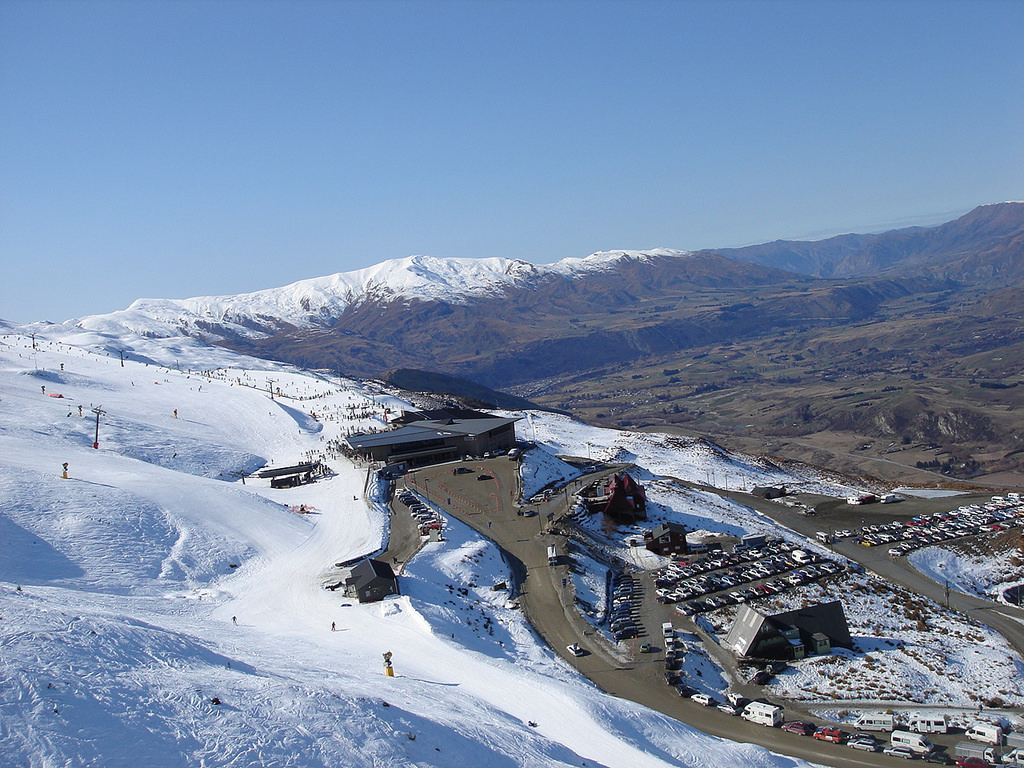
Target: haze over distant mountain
{"type": "Point", "coordinates": [980, 247]}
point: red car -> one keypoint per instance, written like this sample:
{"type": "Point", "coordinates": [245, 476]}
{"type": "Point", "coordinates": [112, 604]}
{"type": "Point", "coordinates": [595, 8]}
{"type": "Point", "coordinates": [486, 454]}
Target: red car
{"type": "Point", "coordinates": [829, 734]}
{"type": "Point", "coordinates": [972, 762]}
{"type": "Point", "coordinates": [799, 727]}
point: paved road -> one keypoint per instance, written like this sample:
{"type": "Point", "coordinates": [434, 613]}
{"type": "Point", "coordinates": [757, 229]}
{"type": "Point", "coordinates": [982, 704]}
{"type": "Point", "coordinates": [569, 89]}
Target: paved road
{"type": "Point", "coordinates": [485, 500]}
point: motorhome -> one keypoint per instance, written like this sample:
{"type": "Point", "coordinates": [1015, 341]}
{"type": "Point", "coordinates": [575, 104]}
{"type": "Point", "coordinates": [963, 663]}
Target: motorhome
{"type": "Point", "coordinates": [929, 724]}
{"type": "Point", "coordinates": [765, 714]}
{"type": "Point", "coordinates": [915, 742]}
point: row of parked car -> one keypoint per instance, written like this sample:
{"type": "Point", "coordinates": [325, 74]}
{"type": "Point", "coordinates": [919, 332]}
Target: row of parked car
{"type": "Point", "coordinates": [728, 578]}
{"type": "Point", "coordinates": [622, 607]}
{"type": "Point", "coordinates": [427, 518]}
{"type": "Point", "coordinates": [925, 530]}
{"type": "Point", "coordinates": [764, 712]}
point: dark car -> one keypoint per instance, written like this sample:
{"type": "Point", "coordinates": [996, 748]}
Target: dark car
{"type": "Point", "coordinates": [799, 727]}
{"type": "Point", "coordinates": [762, 677]}
{"type": "Point", "coordinates": [939, 757]}
{"type": "Point", "coordinates": [684, 690]}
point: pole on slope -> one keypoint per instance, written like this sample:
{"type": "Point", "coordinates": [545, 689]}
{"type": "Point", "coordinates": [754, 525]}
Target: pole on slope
{"type": "Point", "coordinates": [98, 410]}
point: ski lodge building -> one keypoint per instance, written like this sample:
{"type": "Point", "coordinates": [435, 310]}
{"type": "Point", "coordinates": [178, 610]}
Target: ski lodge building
{"type": "Point", "coordinates": [814, 629]}
{"type": "Point", "coordinates": [422, 441]}
{"type": "Point", "coordinates": [371, 580]}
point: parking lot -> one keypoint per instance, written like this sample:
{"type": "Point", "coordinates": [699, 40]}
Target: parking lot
{"type": "Point", "coordinates": [741, 576]}
{"type": "Point", "coordinates": [905, 536]}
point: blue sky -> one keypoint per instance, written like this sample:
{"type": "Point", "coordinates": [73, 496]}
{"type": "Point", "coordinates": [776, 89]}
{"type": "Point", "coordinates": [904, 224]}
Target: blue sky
{"type": "Point", "coordinates": [174, 149]}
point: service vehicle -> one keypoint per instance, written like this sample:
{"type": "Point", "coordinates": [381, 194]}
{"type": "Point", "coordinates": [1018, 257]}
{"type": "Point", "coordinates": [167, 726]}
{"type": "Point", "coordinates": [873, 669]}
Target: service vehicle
{"type": "Point", "coordinates": [985, 753]}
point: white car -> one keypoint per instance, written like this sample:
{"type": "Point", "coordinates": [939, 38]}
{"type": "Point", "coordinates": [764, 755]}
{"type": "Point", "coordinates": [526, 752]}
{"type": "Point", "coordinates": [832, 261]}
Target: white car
{"type": "Point", "coordinates": [703, 699]}
{"type": "Point", "coordinates": [904, 752]}
{"type": "Point", "coordinates": [575, 649]}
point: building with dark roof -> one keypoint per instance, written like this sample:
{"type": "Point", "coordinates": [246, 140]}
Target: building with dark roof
{"type": "Point", "coordinates": [768, 491]}
{"type": "Point", "coordinates": [288, 477]}
{"type": "Point", "coordinates": [667, 539]}
{"type": "Point", "coordinates": [626, 499]}
{"type": "Point", "coordinates": [790, 635]}
{"type": "Point", "coordinates": [371, 580]}
{"type": "Point", "coordinates": [428, 441]}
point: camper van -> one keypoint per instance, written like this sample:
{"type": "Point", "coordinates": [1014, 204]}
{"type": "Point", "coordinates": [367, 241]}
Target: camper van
{"type": "Point", "coordinates": [875, 721]}
{"type": "Point", "coordinates": [552, 555]}
{"type": "Point", "coordinates": [929, 724]}
{"type": "Point", "coordinates": [915, 742]}
{"type": "Point", "coordinates": [765, 714]}
{"type": "Point", "coordinates": [986, 733]}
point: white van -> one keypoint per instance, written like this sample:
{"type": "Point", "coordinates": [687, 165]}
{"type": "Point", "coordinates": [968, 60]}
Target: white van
{"type": "Point", "coordinates": [800, 557]}
{"type": "Point", "coordinates": [929, 724]}
{"type": "Point", "coordinates": [765, 714]}
{"type": "Point", "coordinates": [915, 742]}
{"type": "Point", "coordinates": [667, 630]}
{"type": "Point", "coordinates": [552, 555]}
{"type": "Point", "coordinates": [875, 721]}
{"type": "Point", "coordinates": [985, 733]}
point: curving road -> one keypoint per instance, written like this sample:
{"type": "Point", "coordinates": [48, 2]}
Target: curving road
{"type": "Point", "coordinates": [485, 499]}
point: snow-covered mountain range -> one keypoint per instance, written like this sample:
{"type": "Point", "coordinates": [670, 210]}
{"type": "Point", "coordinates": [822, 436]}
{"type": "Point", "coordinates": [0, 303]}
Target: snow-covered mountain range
{"type": "Point", "coordinates": [319, 302]}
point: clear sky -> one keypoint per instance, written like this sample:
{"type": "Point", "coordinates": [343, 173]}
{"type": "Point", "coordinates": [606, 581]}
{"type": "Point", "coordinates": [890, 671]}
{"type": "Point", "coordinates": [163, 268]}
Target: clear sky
{"type": "Point", "coordinates": [176, 149]}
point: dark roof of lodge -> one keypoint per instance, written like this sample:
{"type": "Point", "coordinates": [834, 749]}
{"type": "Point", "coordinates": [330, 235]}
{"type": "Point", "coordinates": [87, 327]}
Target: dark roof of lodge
{"type": "Point", "coordinates": [365, 571]}
{"type": "Point", "coordinates": [437, 414]}
{"type": "Point", "coordinates": [827, 618]}
{"type": "Point", "coordinates": [297, 469]}
{"type": "Point", "coordinates": [429, 430]}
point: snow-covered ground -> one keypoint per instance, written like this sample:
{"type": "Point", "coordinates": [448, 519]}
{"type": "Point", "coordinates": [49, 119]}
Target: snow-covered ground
{"type": "Point", "coordinates": [158, 610]}
{"type": "Point", "coordinates": [987, 573]}
{"type": "Point", "coordinates": [670, 456]}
